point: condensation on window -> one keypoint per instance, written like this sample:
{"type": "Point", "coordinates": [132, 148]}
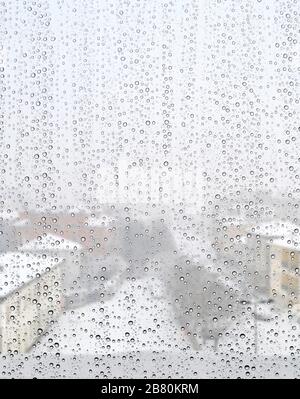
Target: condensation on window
{"type": "Point", "coordinates": [149, 192]}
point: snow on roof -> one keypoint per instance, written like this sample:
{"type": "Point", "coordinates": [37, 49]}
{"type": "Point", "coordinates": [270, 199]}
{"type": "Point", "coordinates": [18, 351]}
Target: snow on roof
{"type": "Point", "coordinates": [22, 222]}
{"type": "Point", "coordinates": [50, 242]}
{"type": "Point", "coordinates": [275, 228]}
{"type": "Point", "coordinates": [17, 269]}
{"type": "Point", "coordinates": [292, 243]}
{"type": "Point", "coordinates": [8, 215]}
{"type": "Point", "coordinates": [100, 221]}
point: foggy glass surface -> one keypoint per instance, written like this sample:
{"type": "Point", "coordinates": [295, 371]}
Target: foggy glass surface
{"type": "Point", "coordinates": [149, 203]}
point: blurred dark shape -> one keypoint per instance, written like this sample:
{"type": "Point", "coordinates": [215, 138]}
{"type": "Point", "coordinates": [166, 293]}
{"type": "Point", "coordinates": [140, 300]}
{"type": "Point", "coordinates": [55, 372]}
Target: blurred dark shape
{"type": "Point", "coordinates": [9, 239]}
{"type": "Point", "coordinates": [202, 305]}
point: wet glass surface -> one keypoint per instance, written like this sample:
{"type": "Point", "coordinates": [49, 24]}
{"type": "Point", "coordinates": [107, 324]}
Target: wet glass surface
{"type": "Point", "coordinates": [149, 204]}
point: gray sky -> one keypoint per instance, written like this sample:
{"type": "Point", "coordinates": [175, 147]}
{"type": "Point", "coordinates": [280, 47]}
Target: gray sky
{"type": "Point", "coordinates": [99, 92]}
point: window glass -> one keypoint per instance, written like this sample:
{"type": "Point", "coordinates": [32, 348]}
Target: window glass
{"type": "Point", "coordinates": [149, 192]}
